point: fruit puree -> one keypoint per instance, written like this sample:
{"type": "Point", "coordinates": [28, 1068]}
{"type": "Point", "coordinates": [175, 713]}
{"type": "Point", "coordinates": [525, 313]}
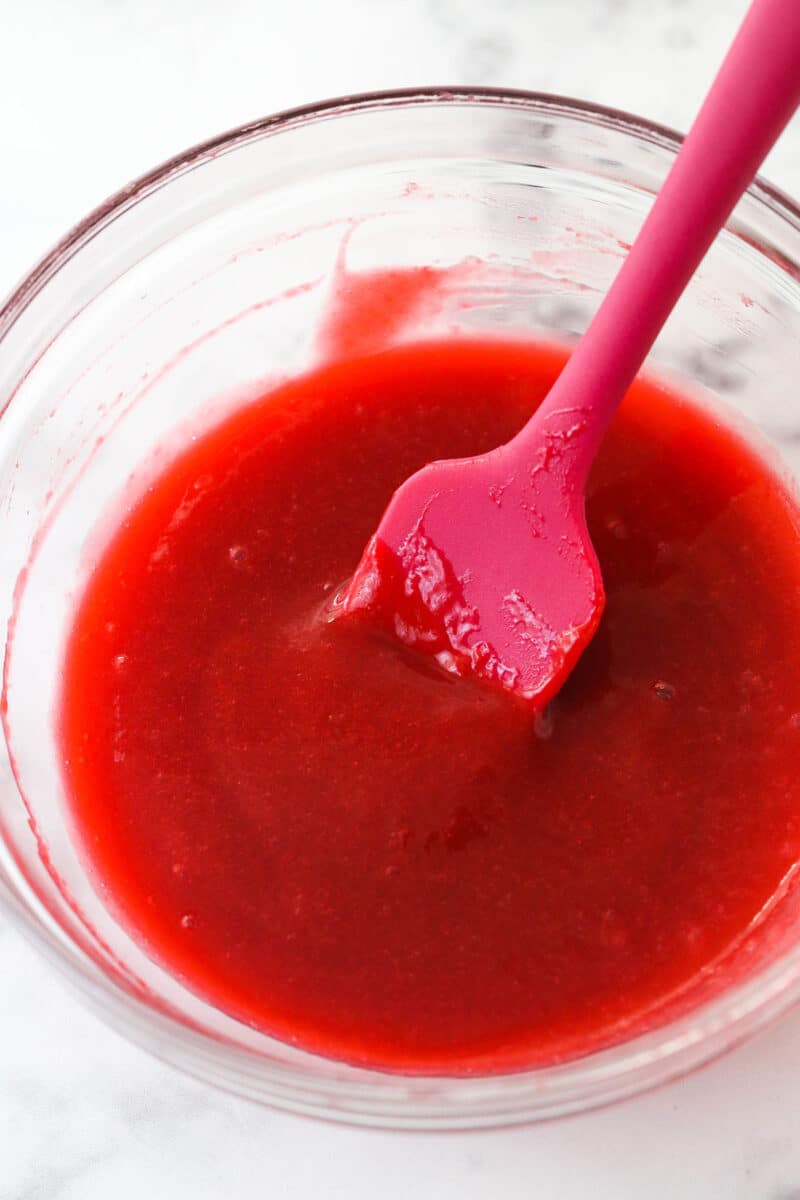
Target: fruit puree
{"type": "Point", "coordinates": [336, 841]}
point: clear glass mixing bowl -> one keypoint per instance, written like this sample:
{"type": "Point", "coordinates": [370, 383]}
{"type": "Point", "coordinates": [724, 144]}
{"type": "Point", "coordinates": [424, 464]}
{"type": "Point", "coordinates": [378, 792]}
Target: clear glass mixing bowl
{"type": "Point", "coordinates": [212, 276]}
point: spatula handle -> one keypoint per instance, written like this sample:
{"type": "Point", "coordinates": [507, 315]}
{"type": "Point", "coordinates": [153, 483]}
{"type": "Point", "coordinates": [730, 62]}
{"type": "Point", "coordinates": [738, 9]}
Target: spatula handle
{"type": "Point", "coordinates": [754, 95]}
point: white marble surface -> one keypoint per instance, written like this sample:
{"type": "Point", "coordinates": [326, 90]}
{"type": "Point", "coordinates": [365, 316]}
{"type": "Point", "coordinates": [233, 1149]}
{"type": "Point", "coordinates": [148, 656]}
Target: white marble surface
{"type": "Point", "coordinates": [92, 92]}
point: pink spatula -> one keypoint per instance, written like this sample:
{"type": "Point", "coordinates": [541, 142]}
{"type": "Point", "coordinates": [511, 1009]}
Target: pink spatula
{"type": "Point", "coordinates": [486, 563]}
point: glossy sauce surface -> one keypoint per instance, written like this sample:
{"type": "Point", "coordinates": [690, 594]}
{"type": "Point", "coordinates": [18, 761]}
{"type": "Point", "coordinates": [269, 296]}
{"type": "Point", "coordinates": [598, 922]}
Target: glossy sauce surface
{"type": "Point", "coordinates": [331, 838]}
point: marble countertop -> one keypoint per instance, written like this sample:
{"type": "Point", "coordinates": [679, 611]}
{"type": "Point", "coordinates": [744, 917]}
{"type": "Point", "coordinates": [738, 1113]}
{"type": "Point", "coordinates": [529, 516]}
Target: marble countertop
{"type": "Point", "coordinates": [92, 93]}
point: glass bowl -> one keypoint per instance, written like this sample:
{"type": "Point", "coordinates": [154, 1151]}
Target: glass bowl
{"type": "Point", "coordinates": [211, 277]}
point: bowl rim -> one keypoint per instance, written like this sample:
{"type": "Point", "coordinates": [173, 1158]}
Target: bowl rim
{"type": "Point", "coordinates": [374, 1097]}
{"type": "Point", "coordinates": [137, 189]}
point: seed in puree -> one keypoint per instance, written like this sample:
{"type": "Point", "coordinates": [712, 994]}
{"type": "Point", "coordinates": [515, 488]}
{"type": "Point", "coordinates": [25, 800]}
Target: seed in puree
{"type": "Point", "coordinates": [334, 840]}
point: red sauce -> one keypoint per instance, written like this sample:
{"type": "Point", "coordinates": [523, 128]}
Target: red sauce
{"type": "Point", "coordinates": [331, 838]}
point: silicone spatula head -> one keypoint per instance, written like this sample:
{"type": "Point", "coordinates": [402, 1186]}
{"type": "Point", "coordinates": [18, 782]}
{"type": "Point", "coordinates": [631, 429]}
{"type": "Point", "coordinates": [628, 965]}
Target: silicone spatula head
{"type": "Point", "coordinates": [487, 564]}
